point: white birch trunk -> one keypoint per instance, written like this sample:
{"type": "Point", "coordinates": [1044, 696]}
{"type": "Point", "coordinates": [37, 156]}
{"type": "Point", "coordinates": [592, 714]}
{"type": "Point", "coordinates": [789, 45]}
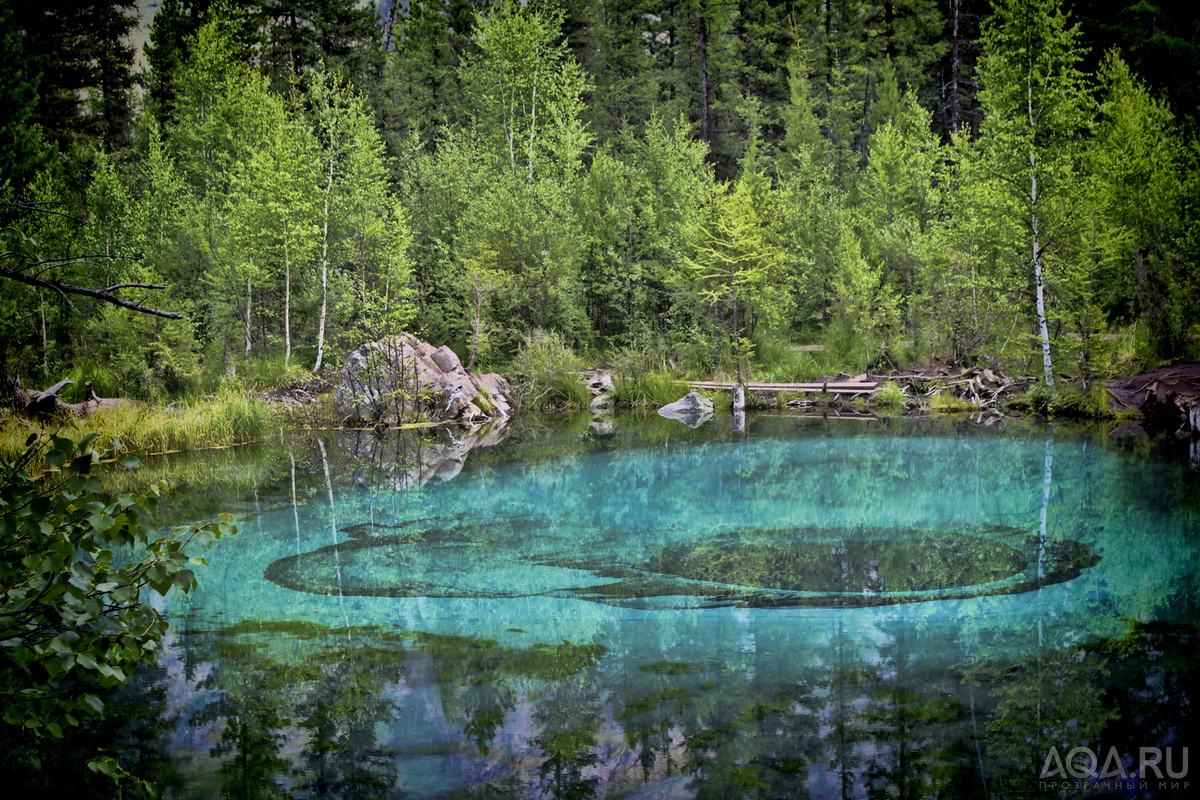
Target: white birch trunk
{"type": "Point", "coordinates": [249, 302]}
{"type": "Point", "coordinates": [1039, 278]}
{"type": "Point", "coordinates": [287, 307]}
{"type": "Point", "coordinates": [324, 272]}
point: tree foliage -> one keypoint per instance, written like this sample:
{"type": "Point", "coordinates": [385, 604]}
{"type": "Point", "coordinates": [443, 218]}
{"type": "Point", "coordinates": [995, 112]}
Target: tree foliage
{"type": "Point", "coordinates": [77, 571]}
{"type": "Point", "coordinates": [962, 180]}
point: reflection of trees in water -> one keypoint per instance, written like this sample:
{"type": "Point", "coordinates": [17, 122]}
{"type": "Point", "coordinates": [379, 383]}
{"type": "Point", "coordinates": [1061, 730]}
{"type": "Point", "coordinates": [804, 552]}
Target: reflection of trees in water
{"type": "Point", "coordinates": [252, 699]}
{"type": "Point", "coordinates": [299, 725]}
{"type": "Point", "coordinates": [1130, 691]}
{"type": "Point", "coordinates": [867, 715]}
{"type": "Point", "coordinates": [856, 714]}
{"type": "Point", "coordinates": [568, 742]}
{"type": "Point", "coordinates": [137, 723]}
{"type": "Point", "coordinates": [341, 757]}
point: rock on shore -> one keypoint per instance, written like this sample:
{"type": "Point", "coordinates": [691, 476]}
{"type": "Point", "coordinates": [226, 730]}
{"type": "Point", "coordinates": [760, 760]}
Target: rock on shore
{"type": "Point", "coordinates": [398, 377]}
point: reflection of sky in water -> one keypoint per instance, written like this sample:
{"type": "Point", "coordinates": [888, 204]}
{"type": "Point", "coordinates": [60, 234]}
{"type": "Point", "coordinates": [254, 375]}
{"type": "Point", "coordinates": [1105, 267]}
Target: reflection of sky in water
{"type": "Point", "coordinates": [649, 683]}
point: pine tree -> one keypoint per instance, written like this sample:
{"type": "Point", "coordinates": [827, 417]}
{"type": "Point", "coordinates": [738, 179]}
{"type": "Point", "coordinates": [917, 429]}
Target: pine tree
{"type": "Point", "coordinates": [22, 152]}
{"type": "Point", "coordinates": [79, 48]}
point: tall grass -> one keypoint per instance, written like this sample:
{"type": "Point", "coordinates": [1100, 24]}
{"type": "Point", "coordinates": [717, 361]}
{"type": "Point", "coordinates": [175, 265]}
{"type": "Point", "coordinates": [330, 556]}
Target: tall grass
{"type": "Point", "coordinates": [273, 372]}
{"type": "Point", "coordinates": [647, 390]}
{"type": "Point", "coordinates": [228, 418]}
{"type": "Point", "coordinates": [779, 361]}
{"type": "Point", "coordinates": [546, 374]}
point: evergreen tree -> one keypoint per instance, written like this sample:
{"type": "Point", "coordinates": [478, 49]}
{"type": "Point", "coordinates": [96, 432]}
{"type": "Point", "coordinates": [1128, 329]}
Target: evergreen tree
{"type": "Point", "coordinates": [79, 48]}
{"type": "Point", "coordinates": [421, 83]}
{"type": "Point", "coordinates": [304, 34]}
{"type": "Point", "coordinates": [22, 152]}
{"type": "Point", "coordinates": [1140, 193]}
{"type": "Point", "coordinates": [738, 268]}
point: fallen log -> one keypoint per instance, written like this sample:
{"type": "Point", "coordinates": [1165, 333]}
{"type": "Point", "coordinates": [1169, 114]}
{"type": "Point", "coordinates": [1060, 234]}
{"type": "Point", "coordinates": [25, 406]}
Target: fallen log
{"type": "Point", "coordinates": [46, 402]}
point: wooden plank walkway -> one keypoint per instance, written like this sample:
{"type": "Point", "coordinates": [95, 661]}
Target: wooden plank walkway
{"type": "Point", "coordinates": [826, 387]}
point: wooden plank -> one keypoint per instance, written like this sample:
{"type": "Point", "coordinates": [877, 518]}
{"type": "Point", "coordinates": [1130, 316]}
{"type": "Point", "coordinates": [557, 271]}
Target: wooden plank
{"type": "Point", "coordinates": [841, 387]}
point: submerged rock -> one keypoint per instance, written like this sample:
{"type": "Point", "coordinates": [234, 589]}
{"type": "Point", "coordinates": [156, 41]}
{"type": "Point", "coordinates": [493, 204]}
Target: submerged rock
{"type": "Point", "coordinates": [398, 377]}
{"type": "Point", "coordinates": [601, 428]}
{"type": "Point", "coordinates": [692, 410]}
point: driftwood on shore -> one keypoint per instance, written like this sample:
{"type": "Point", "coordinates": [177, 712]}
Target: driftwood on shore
{"type": "Point", "coordinates": [48, 401]}
{"type": "Point", "coordinates": [1168, 397]}
{"type": "Point", "coordinates": [983, 387]}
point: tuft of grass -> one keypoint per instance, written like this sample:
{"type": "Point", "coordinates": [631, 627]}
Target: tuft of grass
{"type": "Point", "coordinates": [648, 390]}
{"type": "Point", "coordinates": [890, 396]}
{"type": "Point", "coordinates": [948, 403]}
{"type": "Point", "coordinates": [546, 374]}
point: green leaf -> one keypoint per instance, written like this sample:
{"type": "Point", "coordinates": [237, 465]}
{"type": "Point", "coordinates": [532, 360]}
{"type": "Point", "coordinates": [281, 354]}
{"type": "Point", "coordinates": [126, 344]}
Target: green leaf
{"type": "Point", "coordinates": [106, 765]}
{"type": "Point", "coordinates": [185, 579]}
{"type": "Point", "coordinates": [100, 523]}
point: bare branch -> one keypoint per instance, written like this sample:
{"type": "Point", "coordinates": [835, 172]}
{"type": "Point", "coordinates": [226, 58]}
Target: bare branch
{"type": "Point", "coordinates": [38, 205]}
{"type": "Point", "coordinates": [114, 287]}
{"type": "Point", "coordinates": [104, 295]}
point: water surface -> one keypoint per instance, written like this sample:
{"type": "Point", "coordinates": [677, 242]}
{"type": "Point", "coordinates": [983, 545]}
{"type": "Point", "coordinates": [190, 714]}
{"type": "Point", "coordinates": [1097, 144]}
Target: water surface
{"type": "Point", "coordinates": [818, 608]}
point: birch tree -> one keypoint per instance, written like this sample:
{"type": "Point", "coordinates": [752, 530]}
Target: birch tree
{"type": "Point", "coordinates": [1037, 111]}
{"type": "Point", "coordinates": [527, 91]}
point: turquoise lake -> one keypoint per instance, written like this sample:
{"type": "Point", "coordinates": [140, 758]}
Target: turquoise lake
{"type": "Point", "coordinates": [816, 608]}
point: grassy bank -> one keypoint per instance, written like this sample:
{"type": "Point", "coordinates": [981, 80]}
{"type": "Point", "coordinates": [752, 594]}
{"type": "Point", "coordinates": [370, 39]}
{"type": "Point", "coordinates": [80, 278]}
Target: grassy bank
{"type": "Point", "coordinates": [227, 418]}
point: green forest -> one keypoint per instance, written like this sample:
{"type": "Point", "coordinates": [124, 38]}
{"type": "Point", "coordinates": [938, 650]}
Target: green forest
{"type": "Point", "coordinates": [665, 186]}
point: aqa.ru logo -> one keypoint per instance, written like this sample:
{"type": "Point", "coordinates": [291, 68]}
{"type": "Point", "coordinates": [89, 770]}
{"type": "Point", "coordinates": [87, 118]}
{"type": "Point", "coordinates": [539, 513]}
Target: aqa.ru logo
{"type": "Point", "coordinates": [1150, 759]}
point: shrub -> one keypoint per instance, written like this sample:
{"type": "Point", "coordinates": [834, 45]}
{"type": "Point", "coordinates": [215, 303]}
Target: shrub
{"type": "Point", "coordinates": [1036, 399]}
{"type": "Point", "coordinates": [75, 618]}
{"type": "Point", "coordinates": [1078, 404]}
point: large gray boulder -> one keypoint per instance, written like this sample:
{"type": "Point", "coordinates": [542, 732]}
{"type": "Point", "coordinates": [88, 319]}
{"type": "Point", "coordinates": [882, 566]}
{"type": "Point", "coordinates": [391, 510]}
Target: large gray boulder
{"type": "Point", "coordinates": [692, 410]}
{"type": "Point", "coordinates": [398, 377]}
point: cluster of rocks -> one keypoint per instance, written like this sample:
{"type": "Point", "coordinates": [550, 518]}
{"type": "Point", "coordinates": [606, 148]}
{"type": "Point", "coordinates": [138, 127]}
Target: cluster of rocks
{"type": "Point", "coordinates": [399, 378]}
{"type": "Point", "coordinates": [692, 409]}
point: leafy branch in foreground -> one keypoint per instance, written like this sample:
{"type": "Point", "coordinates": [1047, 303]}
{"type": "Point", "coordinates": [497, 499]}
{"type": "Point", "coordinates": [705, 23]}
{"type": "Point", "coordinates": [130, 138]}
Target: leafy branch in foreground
{"type": "Point", "coordinates": [75, 620]}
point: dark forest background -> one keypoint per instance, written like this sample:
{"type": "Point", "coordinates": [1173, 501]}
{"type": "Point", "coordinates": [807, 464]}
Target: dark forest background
{"type": "Point", "coordinates": [658, 185]}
